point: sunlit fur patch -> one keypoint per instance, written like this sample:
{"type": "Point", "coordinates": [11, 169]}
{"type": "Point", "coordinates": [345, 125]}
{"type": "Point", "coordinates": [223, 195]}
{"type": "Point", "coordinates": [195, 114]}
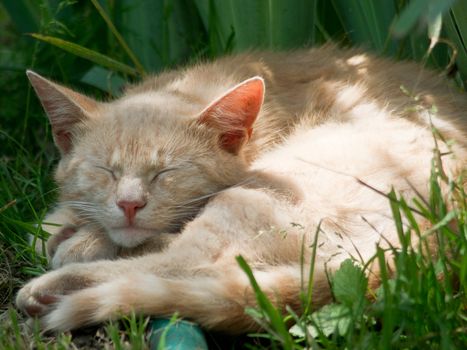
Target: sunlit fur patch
{"type": "Point", "coordinates": [357, 60]}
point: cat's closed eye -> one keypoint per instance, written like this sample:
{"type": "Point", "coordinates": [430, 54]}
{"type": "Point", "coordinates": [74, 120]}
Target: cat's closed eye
{"type": "Point", "coordinates": [110, 171]}
{"type": "Point", "coordinates": [161, 172]}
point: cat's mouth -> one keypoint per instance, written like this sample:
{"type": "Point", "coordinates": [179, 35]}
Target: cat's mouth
{"type": "Point", "coordinates": [132, 228]}
{"type": "Point", "coordinates": [130, 236]}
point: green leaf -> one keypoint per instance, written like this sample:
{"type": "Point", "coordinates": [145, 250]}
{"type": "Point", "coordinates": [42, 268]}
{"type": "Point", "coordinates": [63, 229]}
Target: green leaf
{"type": "Point", "coordinates": [329, 319]}
{"type": "Point", "coordinates": [104, 79]}
{"type": "Point", "coordinates": [434, 30]}
{"type": "Point", "coordinates": [420, 11]}
{"type": "Point", "coordinates": [88, 54]}
{"type": "Point", "coordinates": [297, 331]}
{"type": "Point", "coordinates": [349, 284]}
{"type": "Point", "coordinates": [436, 8]}
{"type": "Point", "coordinates": [408, 17]}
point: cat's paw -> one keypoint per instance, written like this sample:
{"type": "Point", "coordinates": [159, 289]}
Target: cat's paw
{"type": "Point", "coordinates": [85, 307]}
{"type": "Point", "coordinates": [72, 245]}
{"type": "Point", "coordinates": [39, 296]}
{"type": "Point", "coordinates": [65, 233]}
{"type": "Point", "coordinates": [60, 308]}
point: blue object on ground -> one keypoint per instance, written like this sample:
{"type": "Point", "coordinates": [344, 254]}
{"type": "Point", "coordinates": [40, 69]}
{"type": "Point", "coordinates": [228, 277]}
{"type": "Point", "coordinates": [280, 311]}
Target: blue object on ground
{"type": "Point", "coordinates": [175, 335]}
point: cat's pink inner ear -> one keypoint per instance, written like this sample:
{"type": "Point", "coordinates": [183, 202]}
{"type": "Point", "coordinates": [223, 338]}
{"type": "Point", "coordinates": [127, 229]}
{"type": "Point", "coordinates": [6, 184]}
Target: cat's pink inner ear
{"type": "Point", "coordinates": [64, 107]}
{"type": "Point", "coordinates": [234, 114]}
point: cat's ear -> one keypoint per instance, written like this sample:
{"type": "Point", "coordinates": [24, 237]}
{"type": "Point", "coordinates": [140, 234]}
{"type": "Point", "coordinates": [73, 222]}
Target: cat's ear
{"type": "Point", "coordinates": [64, 107]}
{"type": "Point", "coordinates": [234, 113]}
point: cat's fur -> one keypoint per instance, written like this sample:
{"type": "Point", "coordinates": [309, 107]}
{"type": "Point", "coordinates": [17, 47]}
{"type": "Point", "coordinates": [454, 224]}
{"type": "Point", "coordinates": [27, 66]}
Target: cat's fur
{"type": "Point", "coordinates": [331, 120]}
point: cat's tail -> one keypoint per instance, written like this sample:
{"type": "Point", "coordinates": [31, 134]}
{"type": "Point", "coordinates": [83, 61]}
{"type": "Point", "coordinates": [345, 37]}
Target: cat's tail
{"type": "Point", "coordinates": [215, 302]}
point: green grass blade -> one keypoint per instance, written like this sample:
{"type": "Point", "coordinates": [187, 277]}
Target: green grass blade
{"type": "Point", "coordinates": [409, 17]}
{"type": "Point", "coordinates": [221, 37]}
{"type": "Point", "coordinates": [396, 214]}
{"type": "Point", "coordinates": [160, 33]}
{"type": "Point", "coordinates": [144, 31]}
{"type": "Point", "coordinates": [88, 54]}
{"type": "Point", "coordinates": [122, 42]}
{"type": "Point", "coordinates": [114, 334]}
{"type": "Point", "coordinates": [292, 26]}
{"type": "Point", "coordinates": [425, 12]}
{"type": "Point", "coordinates": [311, 275]}
{"type": "Point", "coordinates": [269, 24]}
{"type": "Point", "coordinates": [265, 304]}
{"type": "Point", "coordinates": [388, 314]}
{"type": "Point", "coordinates": [456, 28]}
{"type": "Point", "coordinates": [16, 329]}
{"type": "Point", "coordinates": [368, 22]}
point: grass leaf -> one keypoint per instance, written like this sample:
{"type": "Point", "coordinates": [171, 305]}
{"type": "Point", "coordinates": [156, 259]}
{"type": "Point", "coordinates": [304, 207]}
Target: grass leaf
{"type": "Point", "coordinates": [88, 54]}
{"type": "Point", "coordinates": [274, 317]}
{"type": "Point", "coordinates": [122, 42]}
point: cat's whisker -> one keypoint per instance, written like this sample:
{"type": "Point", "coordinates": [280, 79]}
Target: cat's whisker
{"type": "Point", "coordinates": [209, 195]}
{"type": "Point", "coordinates": [79, 203]}
{"type": "Point", "coordinates": [86, 214]}
{"type": "Point", "coordinates": [84, 206]}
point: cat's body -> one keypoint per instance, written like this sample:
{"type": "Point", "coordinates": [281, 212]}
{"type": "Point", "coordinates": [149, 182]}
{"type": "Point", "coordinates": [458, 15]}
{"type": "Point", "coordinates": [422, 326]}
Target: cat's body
{"type": "Point", "coordinates": [335, 129]}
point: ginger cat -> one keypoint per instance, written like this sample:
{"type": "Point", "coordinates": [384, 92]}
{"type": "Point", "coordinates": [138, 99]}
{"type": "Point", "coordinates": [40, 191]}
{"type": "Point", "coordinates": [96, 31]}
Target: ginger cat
{"type": "Point", "coordinates": [248, 155]}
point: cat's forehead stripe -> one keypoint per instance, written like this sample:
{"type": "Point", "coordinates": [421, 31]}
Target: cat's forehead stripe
{"type": "Point", "coordinates": [115, 157]}
{"type": "Point", "coordinates": [154, 156]}
{"type": "Point", "coordinates": [161, 101]}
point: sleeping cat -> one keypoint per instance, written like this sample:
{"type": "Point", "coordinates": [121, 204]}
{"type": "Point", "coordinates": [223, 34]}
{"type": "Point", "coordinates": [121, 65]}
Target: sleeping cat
{"type": "Point", "coordinates": [279, 143]}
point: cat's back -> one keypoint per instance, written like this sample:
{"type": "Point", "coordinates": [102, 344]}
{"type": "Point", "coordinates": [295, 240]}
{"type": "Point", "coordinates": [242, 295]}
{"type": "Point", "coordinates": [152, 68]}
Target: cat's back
{"type": "Point", "coordinates": [342, 171]}
{"type": "Point", "coordinates": [321, 84]}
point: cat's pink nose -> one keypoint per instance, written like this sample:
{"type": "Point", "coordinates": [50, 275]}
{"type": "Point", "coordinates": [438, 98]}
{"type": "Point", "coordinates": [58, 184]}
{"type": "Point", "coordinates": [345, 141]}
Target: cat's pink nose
{"type": "Point", "coordinates": [130, 208]}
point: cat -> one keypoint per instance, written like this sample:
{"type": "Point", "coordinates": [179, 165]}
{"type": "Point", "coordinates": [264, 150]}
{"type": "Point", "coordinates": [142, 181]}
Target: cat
{"type": "Point", "coordinates": [253, 154]}
{"type": "Point", "coordinates": [90, 243]}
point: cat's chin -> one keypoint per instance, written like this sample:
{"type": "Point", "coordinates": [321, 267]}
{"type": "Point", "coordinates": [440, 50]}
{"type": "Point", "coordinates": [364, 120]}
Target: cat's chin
{"type": "Point", "coordinates": [129, 237]}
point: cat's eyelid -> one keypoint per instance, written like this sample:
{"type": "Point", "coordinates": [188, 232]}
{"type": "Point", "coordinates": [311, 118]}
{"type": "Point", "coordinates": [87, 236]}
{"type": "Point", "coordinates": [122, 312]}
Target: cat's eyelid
{"type": "Point", "coordinates": [110, 171]}
{"type": "Point", "coordinates": [165, 170]}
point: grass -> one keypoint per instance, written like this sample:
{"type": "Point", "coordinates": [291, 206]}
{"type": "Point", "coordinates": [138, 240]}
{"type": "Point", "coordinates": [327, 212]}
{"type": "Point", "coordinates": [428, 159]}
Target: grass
{"type": "Point", "coordinates": [421, 301]}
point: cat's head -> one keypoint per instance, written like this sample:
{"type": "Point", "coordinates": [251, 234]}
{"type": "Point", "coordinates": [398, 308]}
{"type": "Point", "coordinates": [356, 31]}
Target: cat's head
{"type": "Point", "coordinates": [144, 164]}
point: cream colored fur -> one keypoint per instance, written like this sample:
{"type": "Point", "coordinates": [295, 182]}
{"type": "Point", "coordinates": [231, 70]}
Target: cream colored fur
{"type": "Point", "coordinates": [335, 128]}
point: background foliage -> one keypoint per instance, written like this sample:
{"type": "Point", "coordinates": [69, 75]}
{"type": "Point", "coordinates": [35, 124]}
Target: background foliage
{"type": "Point", "coordinates": [98, 45]}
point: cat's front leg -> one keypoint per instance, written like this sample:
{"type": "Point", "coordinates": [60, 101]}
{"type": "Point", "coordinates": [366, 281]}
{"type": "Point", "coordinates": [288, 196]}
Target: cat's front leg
{"type": "Point", "coordinates": [73, 239]}
{"type": "Point", "coordinates": [79, 244]}
{"type": "Point", "coordinates": [216, 300]}
{"type": "Point", "coordinates": [87, 244]}
{"type": "Point", "coordinates": [40, 295]}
